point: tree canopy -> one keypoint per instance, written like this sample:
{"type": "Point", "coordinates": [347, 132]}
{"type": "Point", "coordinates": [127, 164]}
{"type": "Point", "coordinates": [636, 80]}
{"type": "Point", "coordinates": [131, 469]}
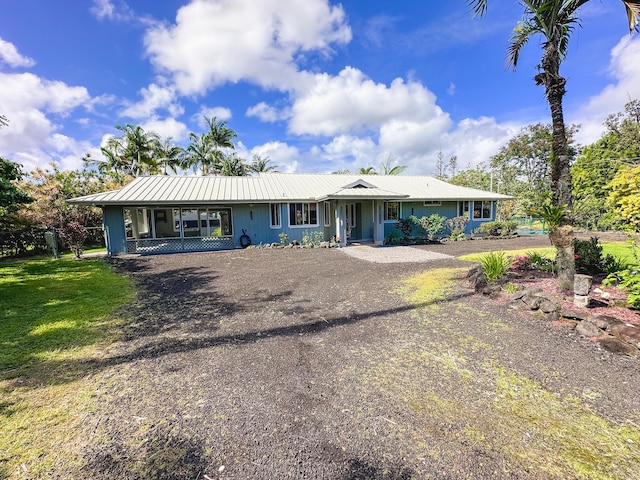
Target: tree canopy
{"type": "Point", "coordinates": [11, 197]}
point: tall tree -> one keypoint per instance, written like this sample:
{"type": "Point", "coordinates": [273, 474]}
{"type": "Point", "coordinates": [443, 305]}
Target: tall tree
{"type": "Point", "coordinates": [386, 167]}
{"type": "Point", "coordinates": [205, 150]}
{"type": "Point", "coordinates": [260, 164]}
{"type": "Point", "coordinates": [555, 20]}
{"type": "Point", "coordinates": [11, 197]}
{"type": "Point", "coordinates": [220, 137]}
{"type": "Point", "coordinates": [625, 196]}
{"type": "Point", "coordinates": [139, 148]}
{"type": "Point", "coordinates": [441, 173]}
{"type": "Point", "coordinates": [199, 155]}
{"type": "Point", "coordinates": [600, 162]}
{"type": "Point", "coordinates": [168, 156]}
{"type": "Point", "coordinates": [233, 166]}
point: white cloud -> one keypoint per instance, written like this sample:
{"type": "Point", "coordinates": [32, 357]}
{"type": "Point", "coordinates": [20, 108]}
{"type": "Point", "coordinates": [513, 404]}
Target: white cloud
{"type": "Point", "coordinates": [103, 9]}
{"type": "Point", "coordinates": [285, 157]}
{"type": "Point", "coordinates": [451, 90]}
{"type": "Point", "coordinates": [213, 42]}
{"type": "Point", "coordinates": [168, 127]}
{"type": "Point", "coordinates": [220, 113]}
{"type": "Point", "coordinates": [625, 86]}
{"type": "Point", "coordinates": [154, 98]}
{"type": "Point", "coordinates": [352, 103]}
{"type": "Point", "coordinates": [267, 113]}
{"type": "Point", "coordinates": [32, 105]}
{"type": "Point", "coordinates": [106, 9]}
{"type": "Point", "coordinates": [9, 55]}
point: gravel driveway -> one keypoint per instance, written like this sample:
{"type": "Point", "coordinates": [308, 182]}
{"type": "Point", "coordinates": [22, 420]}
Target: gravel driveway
{"type": "Point", "coordinates": [264, 364]}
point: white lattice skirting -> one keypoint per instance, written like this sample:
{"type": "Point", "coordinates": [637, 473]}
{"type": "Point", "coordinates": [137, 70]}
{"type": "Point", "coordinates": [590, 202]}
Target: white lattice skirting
{"type": "Point", "coordinates": [169, 245]}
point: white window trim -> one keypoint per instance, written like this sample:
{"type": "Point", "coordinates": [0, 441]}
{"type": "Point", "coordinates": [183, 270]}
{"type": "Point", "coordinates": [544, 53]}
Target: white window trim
{"type": "Point", "coordinates": [432, 203]}
{"type": "Point", "coordinates": [469, 209]}
{"type": "Point", "coordinates": [327, 214]}
{"type": "Point", "coordinates": [279, 207]}
{"type": "Point", "coordinates": [306, 225]}
{"type": "Point", "coordinates": [384, 211]}
{"type": "Point", "coordinates": [481, 219]}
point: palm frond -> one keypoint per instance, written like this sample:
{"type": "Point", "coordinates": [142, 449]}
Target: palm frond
{"type": "Point", "coordinates": [521, 34]}
{"type": "Point", "coordinates": [633, 14]}
{"type": "Point", "coordinates": [479, 7]}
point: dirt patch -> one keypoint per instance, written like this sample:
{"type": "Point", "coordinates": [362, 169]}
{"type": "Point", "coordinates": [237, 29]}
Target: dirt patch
{"type": "Point", "coordinates": [312, 364]}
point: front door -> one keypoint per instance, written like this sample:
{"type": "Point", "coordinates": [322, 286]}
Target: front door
{"type": "Point", "coordinates": [352, 223]}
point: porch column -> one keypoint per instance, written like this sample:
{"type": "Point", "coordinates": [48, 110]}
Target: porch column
{"type": "Point", "coordinates": [341, 226]}
{"type": "Point", "coordinates": [378, 223]}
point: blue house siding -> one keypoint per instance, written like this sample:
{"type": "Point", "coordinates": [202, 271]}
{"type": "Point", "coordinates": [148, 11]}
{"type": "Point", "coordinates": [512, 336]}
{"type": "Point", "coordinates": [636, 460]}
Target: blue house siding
{"type": "Point", "coordinates": [255, 220]}
{"type": "Point", "coordinates": [446, 209]}
{"type": "Point", "coordinates": [113, 222]}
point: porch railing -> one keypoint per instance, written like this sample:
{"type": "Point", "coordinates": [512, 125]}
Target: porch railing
{"type": "Point", "coordinates": [167, 245]}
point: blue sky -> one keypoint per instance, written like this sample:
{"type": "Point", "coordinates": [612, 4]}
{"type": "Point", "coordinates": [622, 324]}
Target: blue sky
{"type": "Point", "coordinates": [316, 85]}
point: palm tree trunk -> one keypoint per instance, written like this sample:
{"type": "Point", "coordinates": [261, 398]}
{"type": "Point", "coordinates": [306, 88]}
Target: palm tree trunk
{"type": "Point", "coordinates": [561, 237]}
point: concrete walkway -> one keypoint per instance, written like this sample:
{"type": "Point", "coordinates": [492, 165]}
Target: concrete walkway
{"type": "Point", "coordinates": [392, 254]}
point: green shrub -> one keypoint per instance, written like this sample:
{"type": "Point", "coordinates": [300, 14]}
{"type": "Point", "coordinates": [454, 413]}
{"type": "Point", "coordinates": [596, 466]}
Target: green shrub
{"type": "Point", "coordinates": [495, 265]}
{"type": "Point", "coordinates": [498, 229]}
{"type": "Point", "coordinates": [540, 262]}
{"type": "Point", "coordinates": [392, 239]}
{"type": "Point", "coordinates": [284, 238]}
{"type": "Point", "coordinates": [628, 279]}
{"type": "Point", "coordinates": [310, 238]}
{"type": "Point", "coordinates": [432, 225]}
{"type": "Point", "coordinates": [407, 225]}
{"type": "Point", "coordinates": [590, 259]}
{"type": "Point", "coordinates": [457, 226]}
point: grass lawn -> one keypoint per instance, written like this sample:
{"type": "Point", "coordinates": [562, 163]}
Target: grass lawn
{"type": "Point", "coordinates": [617, 249]}
{"type": "Point", "coordinates": [53, 315]}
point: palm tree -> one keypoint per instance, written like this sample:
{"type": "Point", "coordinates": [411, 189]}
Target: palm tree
{"type": "Point", "coordinates": [204, 150]}
{"type": "Point", "coordinates": [220, 136]}
{"type": "Point", "coordinates": [113, 162]}
{"type": "Point", "coordinates": [387, 169]}
{"type": "Point", "coordinates": [139, 147]}
{"type": "Point", "coordinates": [169, 155]}
{"type": "Point", "coordinates": [233, 166]}
{"type": "Point", "coordinates": [367, 171]}
{"type": "Point", "coordinates": [199, 155]}
{"type": "Point", "coordinates": [261, 164]}
{"type": "Point", "coordinates": [555, 20]}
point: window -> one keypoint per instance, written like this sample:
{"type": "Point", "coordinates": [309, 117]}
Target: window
{"type": "Point", "coordinates": [482, 210]}
{"type": "Point", "coordinates": [432, 203]}
{"type": "Point", "coordinates": [177, 223]}
{"type": "Point", "coordinates": [351, 215]}
{"type": "Point", "coordinates": [275, 215]}
{"type": "Point", "coordinates": [137, 222]}
{"type": "Point", "coordinates": [391, 211]}
{"type": "Point", "coordinates": [163, 224]}
{"type": "Point", "coordinates": [327, 214]}
{"type": "Point", "coordinates": [303, 214]}
{"type": "Point", "coordinates": [463, 209]}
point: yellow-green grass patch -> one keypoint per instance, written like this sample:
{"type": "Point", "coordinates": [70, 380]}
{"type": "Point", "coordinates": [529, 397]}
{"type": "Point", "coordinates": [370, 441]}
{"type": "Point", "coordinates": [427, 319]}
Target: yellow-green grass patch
{"type": "Point", "coordinates": [431, 287]}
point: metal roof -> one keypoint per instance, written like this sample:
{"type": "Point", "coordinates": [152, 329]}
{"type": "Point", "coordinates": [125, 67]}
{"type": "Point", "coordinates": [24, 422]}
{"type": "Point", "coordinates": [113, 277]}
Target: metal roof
{"type": "Point", "coordinates": [281, 187]}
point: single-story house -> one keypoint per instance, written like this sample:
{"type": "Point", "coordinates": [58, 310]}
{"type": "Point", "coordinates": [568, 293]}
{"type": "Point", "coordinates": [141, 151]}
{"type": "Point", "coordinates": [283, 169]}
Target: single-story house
{"type": "Point", "coordinates": [157, 214]}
